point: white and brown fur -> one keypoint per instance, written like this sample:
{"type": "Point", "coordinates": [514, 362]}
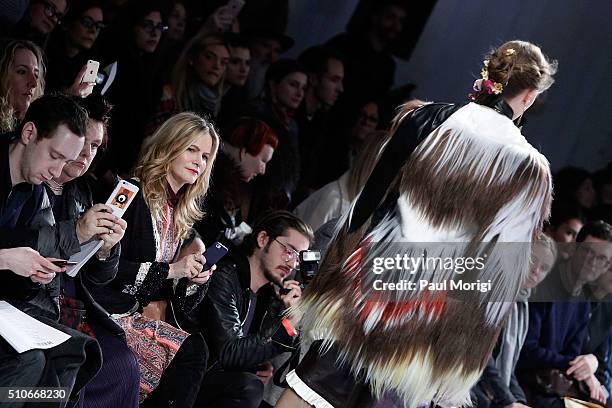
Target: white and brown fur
{"type": "Point", "coordinates": [474, 179]}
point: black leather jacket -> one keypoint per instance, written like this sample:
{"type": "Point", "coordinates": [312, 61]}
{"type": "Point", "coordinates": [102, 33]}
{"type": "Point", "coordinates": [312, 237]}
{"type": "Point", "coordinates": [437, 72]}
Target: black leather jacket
{"type": "Point", "coordinates": [223, 313]}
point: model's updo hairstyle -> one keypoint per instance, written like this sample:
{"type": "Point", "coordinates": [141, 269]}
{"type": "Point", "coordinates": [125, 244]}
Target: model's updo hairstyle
{"type": "Point", "coordinates": [526, 67]}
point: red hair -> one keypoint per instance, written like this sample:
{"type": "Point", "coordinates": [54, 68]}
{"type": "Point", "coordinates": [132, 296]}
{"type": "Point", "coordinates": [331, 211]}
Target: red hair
{"type": "Point", "coordinates": [252, 135]}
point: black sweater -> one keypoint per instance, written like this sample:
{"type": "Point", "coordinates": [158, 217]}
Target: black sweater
{"type": "Point", "coordinates": [138, 251]}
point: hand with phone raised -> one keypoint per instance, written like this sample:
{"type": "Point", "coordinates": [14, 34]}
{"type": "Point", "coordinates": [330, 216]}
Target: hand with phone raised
{"type": "Point", "coordinates": [99, 221]}
{"type": "Point", "coordinates": [82, 86]}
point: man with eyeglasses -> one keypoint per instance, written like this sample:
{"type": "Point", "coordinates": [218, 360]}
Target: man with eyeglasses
{"type": "Point", "coordinates": [40, 19]}
{"type": "Point", "coordinates": [590, 259]}
{"type": "Point", "coordinates": [566, 331]}
{"type": "Point", "coordinates": [242, 317]}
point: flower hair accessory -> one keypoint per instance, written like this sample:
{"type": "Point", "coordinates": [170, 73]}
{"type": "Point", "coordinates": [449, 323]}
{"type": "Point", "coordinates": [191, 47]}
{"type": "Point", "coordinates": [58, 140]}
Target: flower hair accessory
{"type": "Point", "coordinates": [484, 84]}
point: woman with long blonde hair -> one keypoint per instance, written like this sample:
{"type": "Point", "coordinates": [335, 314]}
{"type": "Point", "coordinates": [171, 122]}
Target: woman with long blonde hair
{"type": "Point", "coordinates": [173, 174]}
{"type": "Point", "coordinates": [197, 80]}
{"type": "Point", "coordinates": [22, 80]}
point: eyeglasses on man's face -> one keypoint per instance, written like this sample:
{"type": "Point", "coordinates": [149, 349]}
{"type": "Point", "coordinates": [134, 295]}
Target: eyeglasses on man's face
{"type": "Point", "coordinates": [90, 23]}
{"type": "Point", "coordinates": [289, 254]}
{"type": "Point", "coordinates": [598, 260]}
{"type": "Point", "coordinates": [51, 11]}
{"type": "Point", "coordinates": [151, 27]}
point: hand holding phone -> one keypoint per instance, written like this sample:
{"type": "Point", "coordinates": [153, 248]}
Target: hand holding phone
{"type": "Point", "coordinates": [91, 72]}
{"type": "Point", "coordinates": [121, 197]}
{"type": "Point", "coordinates": [213, 254]}
{"type": "Point", "coordinates": [63, 262]}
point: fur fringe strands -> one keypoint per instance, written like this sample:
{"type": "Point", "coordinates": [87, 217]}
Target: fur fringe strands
{"type": "Point", "coordinates": [473, 185]}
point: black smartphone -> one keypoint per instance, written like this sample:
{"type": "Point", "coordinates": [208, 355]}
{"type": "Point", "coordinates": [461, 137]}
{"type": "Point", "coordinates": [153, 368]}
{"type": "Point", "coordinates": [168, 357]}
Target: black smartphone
{"type": "Point", "coordinates": [63, 262]}
{"type": "Point", "coordinates": [213, 254]}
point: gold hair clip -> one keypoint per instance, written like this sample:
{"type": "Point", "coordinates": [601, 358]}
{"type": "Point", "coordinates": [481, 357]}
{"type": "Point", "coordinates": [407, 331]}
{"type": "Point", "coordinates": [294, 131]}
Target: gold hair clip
{"type": "Point", "coordinates": [509, 52]}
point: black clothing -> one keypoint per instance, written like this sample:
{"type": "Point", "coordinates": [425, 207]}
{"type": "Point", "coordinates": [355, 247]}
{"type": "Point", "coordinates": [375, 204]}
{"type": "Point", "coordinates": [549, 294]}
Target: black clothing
{"type": "Point", "coordinates": [598, 341]}
{"type": "Point", "coordinates": [178, 384]}
{"type": "Point", "coordinates": [275, 189]}
{"type": "Point", "coordinates": [369, 74]}
{"type": "Point", "coordinates": [224, 311]}
{"type": "Point", "coordinates": [61, 69]}
{"type": "Point", "coordinates": [76, 198]}
{"type": "Point", "coordinates": [73, 363]}
{"type": "Point", "coordinates": [20, 223]}
{"type": "Point", "coordinates": [491, 384]}
{"type": "Point", "coordinates": [232, 389]}
{"type": "Point", "coordinates": [138, 247]}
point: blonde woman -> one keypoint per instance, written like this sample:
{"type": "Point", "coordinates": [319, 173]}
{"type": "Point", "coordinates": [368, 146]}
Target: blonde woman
{"type": "Point", "coordinates": [197, 80]}
{"type": "Point", "coordinates": [173, 174]}
{"type": "Point", "coordinates": [198, 76]}
{"type": "Point", "coordinates": [22, 74]}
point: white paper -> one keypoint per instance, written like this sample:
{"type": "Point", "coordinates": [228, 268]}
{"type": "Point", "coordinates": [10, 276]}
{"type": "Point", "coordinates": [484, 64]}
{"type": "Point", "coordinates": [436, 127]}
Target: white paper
{"type": "Point", "coordinates": [25, 333]}
{"type": "Point", "coordinates": [88, 250]}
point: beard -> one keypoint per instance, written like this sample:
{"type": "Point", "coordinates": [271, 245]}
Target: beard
{"type": "Point", "coordinates": [268, 274]}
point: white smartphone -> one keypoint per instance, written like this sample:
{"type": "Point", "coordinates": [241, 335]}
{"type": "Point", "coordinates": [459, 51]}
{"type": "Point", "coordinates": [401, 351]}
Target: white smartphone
{"type": "Point", "coordinates": [122, 196]}
{"type": "Point", "coordinates": [91, 72]}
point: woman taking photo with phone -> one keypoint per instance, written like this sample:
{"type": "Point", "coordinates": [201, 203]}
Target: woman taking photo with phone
{"type": "Point", "coordinates": [173, 175]}
{"type": "Point", "coordinates": [71, 46]}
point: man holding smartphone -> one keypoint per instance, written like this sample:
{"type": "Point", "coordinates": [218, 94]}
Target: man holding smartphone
{"type": "Point", "coordinates": [243, 316]}
{"type": "Point", "coordinates": [50, 136]}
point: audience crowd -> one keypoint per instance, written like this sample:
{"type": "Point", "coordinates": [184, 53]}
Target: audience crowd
{"type": "Point", "coordinates": [230, 142]}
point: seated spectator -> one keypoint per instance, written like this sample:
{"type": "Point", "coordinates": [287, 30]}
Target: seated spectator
{"type": "Point", "coordinates": [41, 17]}
{"type": "Point", "coordinates": [325, 75]}
{"type": "Point", "coordinates": [349, 135]}
{"type": "Point", "coordinates": [50, 136]}
{"type": "Point", "coordinates": [242, 316]}
{"type": "Point", "coordinates": [559, 330]}
{"type": "Point", "coordinates": [70, 47]}
{"type": "Point", "coordinates": [498, 386]}
{"type": "Point", "coordinates": [603, 185]}
{"type": "Point", "coordinates": [575, 185]}
{"type": "Point", "coordinates": [80, 221]}
{"type": "Point", "coordinates": [591, 258]}
{"type": "Point", "coordinates": [198, 76]}
{"type": "Point", "coordinates": [173, 40]}
{"type": "Point", "coordinates": [601, 288]}
{"type": "Point", "coordinates": [173, 174]}
{"type": "Point", "coordinates": [239, 64]}
{"type": "Point", "coordinates": [136, 88]}
{"type": "Point", "coordinates": [335, 198]}
{"type": "Point", "coordinates": [236, 74]}
{"type": "Point", "coordinates": [22, 80]}
{"type": "Point", "coordinates": [596, 351]}
{"type": "Point", "coordinates": [249, 148]}
{"type": "Point", "coordinates": [566, 220]}
{"type": "Point", "coordinates": [370, 68]}
{"type": "Point", "coordinates": [197, 80]}
{"type": "Point", "coordinates": [285, 84]}
{"type": "Point", "coordinates": [266, 47]}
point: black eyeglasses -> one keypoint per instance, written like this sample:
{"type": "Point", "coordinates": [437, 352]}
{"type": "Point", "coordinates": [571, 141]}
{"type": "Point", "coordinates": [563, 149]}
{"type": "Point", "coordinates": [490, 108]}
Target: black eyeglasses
{"type": "Point", "coordinates": [151, 27]}
{"type": "Point", "coordinates": [90, 23]}
{"type": "Point", "coordinates": [51, 11]}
